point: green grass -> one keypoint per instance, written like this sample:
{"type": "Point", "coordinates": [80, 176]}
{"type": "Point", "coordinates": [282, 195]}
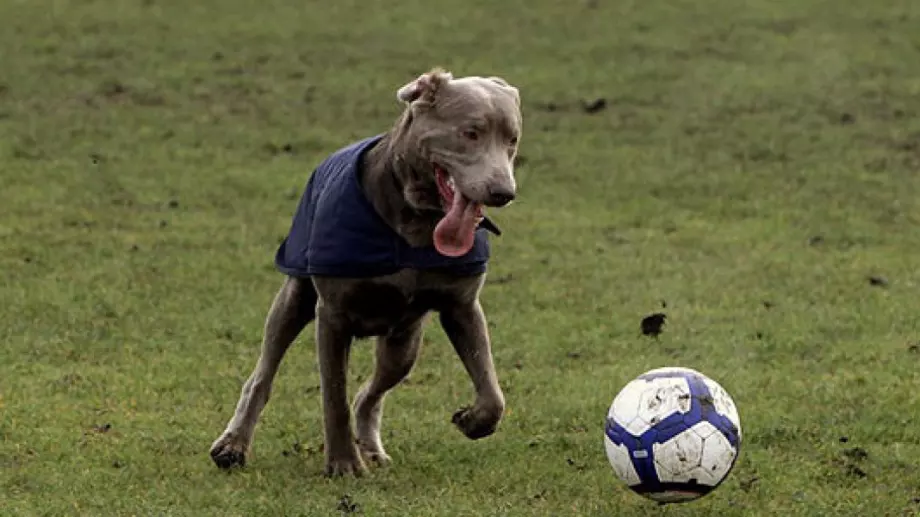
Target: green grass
{"type": "Point", "coordinates": [145, 182]}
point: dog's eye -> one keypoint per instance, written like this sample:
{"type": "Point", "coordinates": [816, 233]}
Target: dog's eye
{"type": "Point", "coordinates": [470, 134]}
{"type": "Point", "coordinates": [514, 140]}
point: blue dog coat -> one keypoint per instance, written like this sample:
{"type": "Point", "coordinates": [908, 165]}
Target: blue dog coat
{"type": "Point", "coordinates": [336, 231]}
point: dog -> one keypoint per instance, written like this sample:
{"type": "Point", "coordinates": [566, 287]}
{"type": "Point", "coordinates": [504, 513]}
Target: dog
{"type": "Point", "coordinates": [389, 230]}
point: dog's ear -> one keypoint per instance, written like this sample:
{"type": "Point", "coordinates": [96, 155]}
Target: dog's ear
{"type": "Point", "coordinates": [499, 80]}
{"type": "Point", "coordinates": [504, 83]}
{"type": "Point", "coordinates": [426, 85]}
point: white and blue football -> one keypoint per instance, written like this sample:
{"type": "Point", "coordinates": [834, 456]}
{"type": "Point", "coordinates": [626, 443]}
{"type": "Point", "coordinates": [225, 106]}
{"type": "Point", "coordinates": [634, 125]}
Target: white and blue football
{"type": "Point", "coordinates": [672, 434]}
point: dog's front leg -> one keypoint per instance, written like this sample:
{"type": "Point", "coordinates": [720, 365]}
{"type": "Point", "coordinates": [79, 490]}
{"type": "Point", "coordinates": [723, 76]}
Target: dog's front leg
{"type": "Point", "coordinates": [333, 344]}
{"type": "Point", "coordinates": [465, 326]}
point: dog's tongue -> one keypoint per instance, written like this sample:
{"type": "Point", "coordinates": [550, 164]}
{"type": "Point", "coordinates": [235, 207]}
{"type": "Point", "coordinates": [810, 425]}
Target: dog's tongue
{"type": "Point", "coordinates": [455, 233]}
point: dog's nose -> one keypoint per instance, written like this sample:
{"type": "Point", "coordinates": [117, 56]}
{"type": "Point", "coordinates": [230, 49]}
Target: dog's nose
{"type": "Point", "coordinates": [500, 197]}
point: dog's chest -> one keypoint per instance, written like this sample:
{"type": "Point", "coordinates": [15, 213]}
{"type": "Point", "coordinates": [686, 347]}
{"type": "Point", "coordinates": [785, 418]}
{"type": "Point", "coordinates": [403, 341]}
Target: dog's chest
{"type": "Point", "coordinates": [377, 307]}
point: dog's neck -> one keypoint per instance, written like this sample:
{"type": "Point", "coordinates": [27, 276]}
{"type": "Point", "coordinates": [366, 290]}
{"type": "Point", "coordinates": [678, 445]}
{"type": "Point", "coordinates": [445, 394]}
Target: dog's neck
{"type": "Point", "coordinates": [381, 170]}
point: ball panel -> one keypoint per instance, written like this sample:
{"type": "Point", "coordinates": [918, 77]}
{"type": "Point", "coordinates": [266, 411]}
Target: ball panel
{"type": "Point", "coordinates": [723, 402]}
{"type": "Point", "coordinates": [625, 408]}
{"type": "Point", "coordinates": [662, 398]}
{"type": "Point", "coordinates": [718, 457]}
{"type": "Point", "coordinates": [678, 458]}
{"type": "Point", "coordinates": [704, 429]}
{"type": "Point", "coordinates": [621, 462]}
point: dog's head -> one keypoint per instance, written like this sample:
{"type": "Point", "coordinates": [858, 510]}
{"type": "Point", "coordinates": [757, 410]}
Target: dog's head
{"type": "Point", "coordinates": [459, 137]}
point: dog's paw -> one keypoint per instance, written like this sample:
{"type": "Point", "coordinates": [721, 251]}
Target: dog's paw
{"type": "Point", "coordinates": [476, 424]}
{"type": "Point", "coordinates": [229, 451]}
{"type": "Point", "coordinates": [345, 465]}
{"type": "Point", "coordinates": [374, 454]}
{"type": "Point", "coordinates": [379, 458]}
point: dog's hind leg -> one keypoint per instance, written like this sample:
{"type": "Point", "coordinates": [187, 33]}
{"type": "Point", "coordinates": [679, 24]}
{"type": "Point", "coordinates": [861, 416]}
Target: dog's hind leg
{"type": "Point", "coordinates": [395, 356]}
{"type": "Point", "coordinates": [465, 326]}
{"type": "Point", "coordinates": [292, 309]}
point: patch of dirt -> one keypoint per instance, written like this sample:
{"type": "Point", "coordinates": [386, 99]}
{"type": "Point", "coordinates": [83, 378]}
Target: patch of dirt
{"type": "Point", "coordinates": [856, 454]}
{"type": "Point", "coordinates": [115, 91]}
{"type": "Point", "coordinates": [101, 428]}
{"type": "Point", "coordinates": [846, 119]}
{"type": "Point", "coordinates": [878, 281]}
{"type": "Point", "coordinates": [851, 462]}
{"type": "Point", "coordinates": [577, 466]}
{"type": "Point", "coordinates": [594, 106]}
{"type": "Point", "coordinates": [503, 279]}
{"type": "Point", "coordinates": [746, 485]}
{"type": "Point", "coordinates": [276, 149]}
{"type": "Point", "coordinates": [652, 325]}
{"type": "Point", "coordinates": [347, 506]}
{"type": "Point", "coordinates": [549, 107]}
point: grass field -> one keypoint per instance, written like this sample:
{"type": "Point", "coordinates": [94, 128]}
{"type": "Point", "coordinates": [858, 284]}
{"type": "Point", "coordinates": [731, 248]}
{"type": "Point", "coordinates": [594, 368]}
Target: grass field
{"type": "Point", "coordinates": [755, 164]}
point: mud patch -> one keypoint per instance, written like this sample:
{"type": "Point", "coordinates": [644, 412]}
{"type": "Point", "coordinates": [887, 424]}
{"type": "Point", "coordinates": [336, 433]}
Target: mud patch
{"type": "Point", "coordinates": [877, 281]}
{"type": "Point", "coordinates": [594, 106]}
{"type": "Point", "coordinates": [347, 506]}
{"type": "Point", "coordinates": [653, 324]}
{"type": "Point", "coordinates": [117, 92]}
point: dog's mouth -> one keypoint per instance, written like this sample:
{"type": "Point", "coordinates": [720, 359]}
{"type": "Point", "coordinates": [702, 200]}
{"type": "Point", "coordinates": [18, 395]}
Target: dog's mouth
{"type": "Point", "coordinates": [455, 233]}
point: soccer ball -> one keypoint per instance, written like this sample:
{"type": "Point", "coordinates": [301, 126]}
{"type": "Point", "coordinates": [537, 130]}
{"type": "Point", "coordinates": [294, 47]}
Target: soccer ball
{"type": "Point", "coordinates": [672, 434]}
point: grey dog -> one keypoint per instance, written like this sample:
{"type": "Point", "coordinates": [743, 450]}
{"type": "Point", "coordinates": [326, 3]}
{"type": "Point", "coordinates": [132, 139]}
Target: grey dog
{"type": "Point", "coordinates": [389, 230]}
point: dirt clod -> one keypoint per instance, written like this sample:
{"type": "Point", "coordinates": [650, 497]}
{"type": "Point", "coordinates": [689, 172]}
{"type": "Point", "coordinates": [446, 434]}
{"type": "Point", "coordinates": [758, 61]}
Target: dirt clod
{"type": "Point", "coordinates": [572, 463]}
{"type": "Point", "coordinates": [856, 471]}
{"type": "Point", "coordinates": [856, 454]}
{"type": "Point", "coordinates": [878, 281]}
{"type": "Point", "coordinates": [347, 506]}
{"type": "Point", "coordinates": [748, 484]}
{"type": "Point", "coordinates": [503, 279]}
{"type": "Point", "coordinates": [595, 106]}
{"type": "Point", "coordinates": [652, 324]}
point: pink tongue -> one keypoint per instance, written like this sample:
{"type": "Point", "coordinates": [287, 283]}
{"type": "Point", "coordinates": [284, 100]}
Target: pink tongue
{"type": "Point", "coordinates": [455, 233]}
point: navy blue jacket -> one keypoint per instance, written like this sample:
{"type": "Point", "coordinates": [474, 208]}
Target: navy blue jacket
{"type": "Point", "coordinates": [337, 232]}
